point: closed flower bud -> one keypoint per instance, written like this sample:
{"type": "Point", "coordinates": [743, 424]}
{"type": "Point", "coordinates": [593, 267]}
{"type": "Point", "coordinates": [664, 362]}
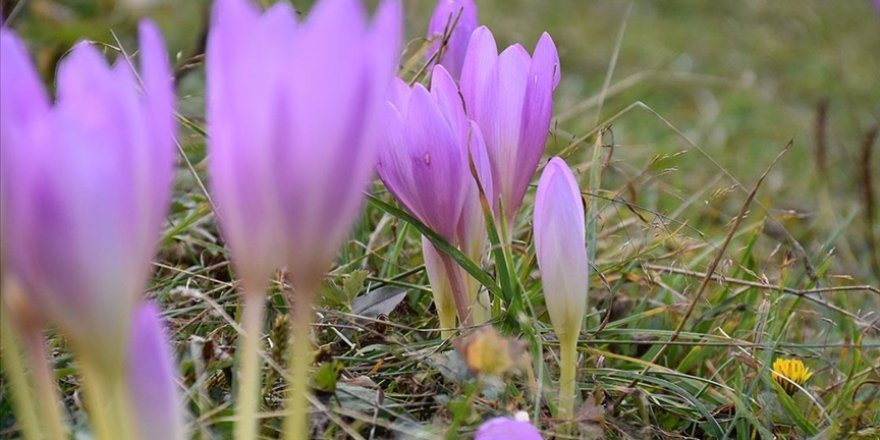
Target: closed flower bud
{"type": "Point", "coordinates": [454, 20]}
{"type": "Point", "coordinates": [152, 378]}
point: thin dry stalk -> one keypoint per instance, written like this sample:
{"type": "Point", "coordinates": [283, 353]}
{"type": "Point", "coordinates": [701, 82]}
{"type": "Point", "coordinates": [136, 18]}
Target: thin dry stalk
{"type": "Point", "coordinates": [869, 197]}
{"type": "Point", "coordinates": [822, 139]}
{"type": "Point", "coordinates": [444, 43]}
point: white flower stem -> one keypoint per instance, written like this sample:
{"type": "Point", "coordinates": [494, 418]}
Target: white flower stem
{"type": "Point", "coordinates": [48, 401]}
{"type": "Point", "coordinates": [447, 321]}
{"type": "Point", "coordinates": [567, 379]}
{"type": "Point", "coordinates": [299, 349]}
{"type": "Point", "coordinates": [13, 367]}
{"type": "Point", "coordinates": [106, 400]}
{"type": "Point", "coordinates": [479, 309]}
{"type": "Point", "coordinates": [459, 290]}
{"type": "Point", "coordinates": [249, 374]}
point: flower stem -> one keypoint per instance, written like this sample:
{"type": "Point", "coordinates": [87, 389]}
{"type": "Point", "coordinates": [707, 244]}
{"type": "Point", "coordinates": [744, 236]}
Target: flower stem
{"type": "Point", "coordinates": [48, 405]}
{"type": "Point", "coordinates": [249, 379]}
{"type": "Point", "coordinates": [106, 400]}
{"type": "Point", "coordinates": [13, 367]}
{"type": "Point", "coordinates": [567, 380]}
{"type": "Point", "coordinates": [479, 309]}
{"type": "Point", "coordinates": [299, 348]}
{"type": "Point", "coordinates": [122, 409]}
{"type": "Point", "coordinates": [459, 290]}
{"type": "Point", "coordinates": [447, 321]}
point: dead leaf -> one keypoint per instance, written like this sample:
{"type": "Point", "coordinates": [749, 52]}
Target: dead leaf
{"type": "Point", "coordinates": [381, 301]}
{"type": "Point", "coordinates": [451, 366]}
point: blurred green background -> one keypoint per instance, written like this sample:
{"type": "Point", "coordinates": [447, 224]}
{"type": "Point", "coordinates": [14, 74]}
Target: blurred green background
{"type": "Point", "coordinates": [737, 78]}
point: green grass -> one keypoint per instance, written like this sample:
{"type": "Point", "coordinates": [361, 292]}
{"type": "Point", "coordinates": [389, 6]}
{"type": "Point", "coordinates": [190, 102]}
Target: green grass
{"type": "Point", "coordinates": [695, 100]}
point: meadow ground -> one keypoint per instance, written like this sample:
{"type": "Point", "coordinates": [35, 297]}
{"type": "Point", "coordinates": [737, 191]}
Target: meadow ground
{"type": "Point", "coordinates": [671, 113]}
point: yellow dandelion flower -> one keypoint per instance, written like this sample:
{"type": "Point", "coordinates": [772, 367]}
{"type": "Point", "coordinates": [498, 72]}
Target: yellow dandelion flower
{"type": "Point", "coordinates": [788, 372]}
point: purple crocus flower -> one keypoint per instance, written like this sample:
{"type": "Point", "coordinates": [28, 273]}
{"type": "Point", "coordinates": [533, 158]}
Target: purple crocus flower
{"type": "Point", "coordinates": [22, 100]}
{"type": "Point", "coordinates": [426, 166]}
{"type": "Point", "coordinates": [155, 402]}
{"type": "Point", "coordinates": [510, 96]}
{"type": "Point", "coordinates": [462, 14]}
{"type": "Point", "coordinates": [292, 113]}
{"type": "Point", "coordinates": [560, 246]}
{"type": "Point", "coordinates": [504, 428]}
{"type": "Point", "coordinates": [561, 252]}
{"type": "Point", "coordinates": [93, 178]}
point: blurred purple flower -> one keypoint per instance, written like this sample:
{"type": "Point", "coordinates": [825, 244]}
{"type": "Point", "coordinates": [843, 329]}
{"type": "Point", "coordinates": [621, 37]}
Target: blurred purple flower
{"type": "Point", "coordinates": [156, 404]}
{"type": "Point", "coordinates": [22, 99]}
{"type": "Point", "coordinates": [510, 96]}
{"type": "Point", "coordinates": [560, 247]}
{"type": "Point", "coordinates": [93, 178]}
{"type": "Point", "coordinates": [503, 428]}
{"type": "Point", "coordinates": [292, 113]}
{"type": "Point", "coordinates": [426, 166]}
{"type": "Point", "coordinates": [463, 15]}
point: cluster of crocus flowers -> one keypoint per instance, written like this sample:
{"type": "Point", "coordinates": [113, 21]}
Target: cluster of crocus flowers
{"type": "Point", "coordinates": [92, 180]}
{"type": "Point", "coordinates": [485, 109]}
{"type": "Point", "coordinates": [299, 113]}
{"type": "Point", "coordinates": [293, 121]}
{"type": "Point", "coordinates": [790, 374]}
{"type": "Point", "coordinates": [561, 252]}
